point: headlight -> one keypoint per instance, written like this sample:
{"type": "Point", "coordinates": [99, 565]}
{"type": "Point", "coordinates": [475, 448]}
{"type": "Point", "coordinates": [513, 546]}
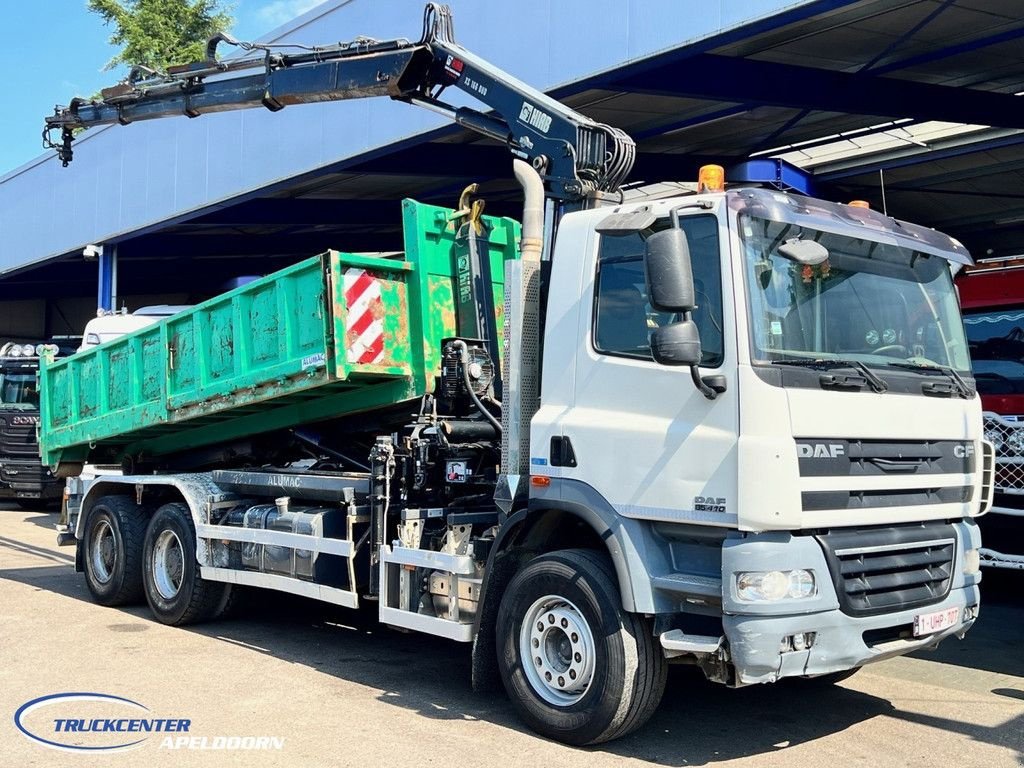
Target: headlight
{"type": "Point", "coordinates": [15, 351]}
{"type": "Point", "coordinates": [972, 562]}
{"type": "Point", "coordinates": [995, 436]}
{"type": "Point", "coordinates": [1015, 442]}
{"type": "Point", "coordinates": [769, 586]}
{"type": "Point", "coordinates": [28, 350]}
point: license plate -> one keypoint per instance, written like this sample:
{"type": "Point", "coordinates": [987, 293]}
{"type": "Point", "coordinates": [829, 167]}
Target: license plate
{"type": "Point", "coordinates": [930, 623]}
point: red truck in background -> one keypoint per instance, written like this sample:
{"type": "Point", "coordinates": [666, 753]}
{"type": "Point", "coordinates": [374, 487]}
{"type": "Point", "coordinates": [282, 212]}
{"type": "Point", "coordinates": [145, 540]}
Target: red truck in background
{"type": "Point", "coordinates": [992, 300]}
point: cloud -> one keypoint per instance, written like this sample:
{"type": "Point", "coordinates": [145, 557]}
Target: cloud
{"type": "Point", "coordinates": [278, 12]}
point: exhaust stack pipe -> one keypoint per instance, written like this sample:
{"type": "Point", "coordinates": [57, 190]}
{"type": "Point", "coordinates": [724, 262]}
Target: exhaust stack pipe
{"type": "Point", "coordinates": [521, 358]}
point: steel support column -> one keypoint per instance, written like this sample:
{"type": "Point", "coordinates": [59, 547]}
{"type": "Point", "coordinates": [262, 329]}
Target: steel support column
{"type": "Point", "coordinates": [106, 296]}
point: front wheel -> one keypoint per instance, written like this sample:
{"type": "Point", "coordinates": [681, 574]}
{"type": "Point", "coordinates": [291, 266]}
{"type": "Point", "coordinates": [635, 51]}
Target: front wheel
{"type": "Point", "coordinates": [175, 591]}
{"type": "Point", "coordinates": [578, 668]}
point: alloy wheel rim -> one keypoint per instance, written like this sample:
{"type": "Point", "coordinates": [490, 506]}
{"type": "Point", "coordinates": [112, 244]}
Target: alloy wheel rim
{"type": "Point", "coordinates": [168, 564]}
{"type": "Point", "coordinates": [556, 645]}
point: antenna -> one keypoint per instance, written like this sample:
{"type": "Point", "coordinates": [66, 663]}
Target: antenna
{"type": "Point", "coordinates": [881, 181]}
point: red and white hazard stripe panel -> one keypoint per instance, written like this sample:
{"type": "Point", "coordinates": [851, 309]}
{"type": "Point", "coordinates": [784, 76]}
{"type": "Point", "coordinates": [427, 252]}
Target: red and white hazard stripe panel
{"type": "Point", "coordinates": [364, 329]}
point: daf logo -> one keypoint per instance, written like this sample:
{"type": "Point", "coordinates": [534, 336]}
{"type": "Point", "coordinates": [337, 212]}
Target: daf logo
{"type": "Point", "coordinates": [820, 450]}
{"type": "Point", "coordinates": [709, 503]}
{"type": "Point", "coordinates": [963, 451]}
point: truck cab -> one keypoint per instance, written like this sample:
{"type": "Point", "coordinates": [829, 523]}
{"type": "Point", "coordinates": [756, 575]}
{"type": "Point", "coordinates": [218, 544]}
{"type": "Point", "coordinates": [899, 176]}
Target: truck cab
{"type": "Point", "coordinates": [818, 511]}
{"type": "Point", "coordinates": [23, 477]}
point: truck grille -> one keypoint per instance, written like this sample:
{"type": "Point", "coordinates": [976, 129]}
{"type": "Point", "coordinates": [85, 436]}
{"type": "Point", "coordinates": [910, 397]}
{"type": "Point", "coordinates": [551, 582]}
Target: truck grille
{"type": "Point", "coordinates": [20, 475]}
{"type": "Point", "coordinates": [18, 440]}
{"type": "Point", "coordinates": [852, 460]}
{"type": "Point", "coordinates": [884, 570]}
{"type": "Point", "coordinates": [1007, 436]}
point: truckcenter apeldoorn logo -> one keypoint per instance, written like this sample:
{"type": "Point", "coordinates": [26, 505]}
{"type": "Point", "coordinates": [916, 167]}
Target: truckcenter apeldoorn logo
{"type": "Point", "coordinates": [100, 723]}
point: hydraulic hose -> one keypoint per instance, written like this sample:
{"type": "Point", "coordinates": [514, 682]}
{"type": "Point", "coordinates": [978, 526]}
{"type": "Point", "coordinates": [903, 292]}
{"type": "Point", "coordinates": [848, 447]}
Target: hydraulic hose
{"type": "Point", "coordinates": [460, 345]}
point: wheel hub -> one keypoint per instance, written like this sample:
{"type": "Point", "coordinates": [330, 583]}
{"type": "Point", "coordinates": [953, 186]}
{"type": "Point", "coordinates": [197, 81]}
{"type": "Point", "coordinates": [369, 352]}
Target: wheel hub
{"type": "Point", "coordinates": [557, 648]}
{"type": "Point", "coordinates": [103, 556]}
{"type": "Point", "coordinates": [168, 564]}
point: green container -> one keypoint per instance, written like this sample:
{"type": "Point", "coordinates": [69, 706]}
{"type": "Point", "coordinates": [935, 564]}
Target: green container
{"type": "Point", "coordinates": [332, 335]}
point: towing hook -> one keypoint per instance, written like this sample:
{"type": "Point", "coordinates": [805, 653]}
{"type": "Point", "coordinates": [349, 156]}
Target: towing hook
{"type": "Point", "coordinates": [470, 209]}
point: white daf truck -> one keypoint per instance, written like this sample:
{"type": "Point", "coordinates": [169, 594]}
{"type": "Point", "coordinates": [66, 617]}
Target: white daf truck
{"type": "Point", "coordinates": [735, 428]}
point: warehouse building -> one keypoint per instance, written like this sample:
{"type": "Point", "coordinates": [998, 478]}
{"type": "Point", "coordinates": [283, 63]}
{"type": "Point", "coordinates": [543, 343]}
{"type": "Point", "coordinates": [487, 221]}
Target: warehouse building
{"type": "Point", "coordinates": [912, 106]}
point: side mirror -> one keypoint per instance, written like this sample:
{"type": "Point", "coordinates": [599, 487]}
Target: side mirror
{"type": "Point", "coordinates": [669, 272]}
{"type": "Point", "coordinates": [676, 344]}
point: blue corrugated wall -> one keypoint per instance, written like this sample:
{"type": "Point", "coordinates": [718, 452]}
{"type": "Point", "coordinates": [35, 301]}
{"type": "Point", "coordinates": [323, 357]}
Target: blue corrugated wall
{"type": "Point", "coordinates": [127, 178]}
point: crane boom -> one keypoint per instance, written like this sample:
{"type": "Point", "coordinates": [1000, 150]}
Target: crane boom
{"type": "Point", "coordinates": [575, 155]}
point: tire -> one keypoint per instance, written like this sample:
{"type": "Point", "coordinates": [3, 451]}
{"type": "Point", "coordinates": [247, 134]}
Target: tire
{"type": "Point", "coordinates": [112, 551]}
{"type": "Point", "coordinates": [175, 591]}
{"type": "Point", "coordinates": [619, 670]}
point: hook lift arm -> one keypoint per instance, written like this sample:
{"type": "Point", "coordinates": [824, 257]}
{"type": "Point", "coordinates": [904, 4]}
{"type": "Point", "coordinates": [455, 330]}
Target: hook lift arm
{"type": "Point", "coordinates": [575, 155]}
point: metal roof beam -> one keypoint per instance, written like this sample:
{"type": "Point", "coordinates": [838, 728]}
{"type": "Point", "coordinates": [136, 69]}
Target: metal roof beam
{"type": "Point", "coordinates": [904, 157]}
{"type": "Point", "coordinates": [907, 34]}
{"type": "Point", "coordinates": [953, 50]}
{"type": "Point", "coordinates": [480, 162]}
{"type": "Point", "coordinates": [296, 212]}
{"type": "Point", "coordinates": [187, 251]}
{"type": "Point", "coordinates": [727, 78]}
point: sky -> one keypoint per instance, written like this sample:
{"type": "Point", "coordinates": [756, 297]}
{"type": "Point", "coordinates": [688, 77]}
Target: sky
{"type": "Point", "coordinates": [56, 49]}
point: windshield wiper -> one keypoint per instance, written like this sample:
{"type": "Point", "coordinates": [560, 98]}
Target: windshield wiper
{"type": "Point", "coordinates": [873, 381]}
{"type": "Point", "coordinates": [959, 385]}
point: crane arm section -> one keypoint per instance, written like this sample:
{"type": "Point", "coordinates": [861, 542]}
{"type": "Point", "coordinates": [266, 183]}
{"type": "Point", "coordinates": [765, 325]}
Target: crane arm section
{"type": "Point", "coordinates": [575, 155]}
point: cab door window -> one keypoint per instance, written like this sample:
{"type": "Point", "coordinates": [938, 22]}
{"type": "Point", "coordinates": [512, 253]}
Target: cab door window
{"type": "Point", "coordinates": [623, 317]}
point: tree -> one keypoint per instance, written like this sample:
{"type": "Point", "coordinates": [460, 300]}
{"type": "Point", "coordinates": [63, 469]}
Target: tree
{"type": "Point", "coordinates": [160, 33]}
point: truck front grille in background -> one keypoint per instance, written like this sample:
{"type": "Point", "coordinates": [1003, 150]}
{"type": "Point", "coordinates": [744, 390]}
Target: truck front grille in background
{"type": "Point", "coordinates": [1007, 437]}
{"type": "Point", "coordinates": [883, 570]}
{"type": "Point", "coordinates": [22, 474]}
{"type": "Point", "coordinates": [18, 440]}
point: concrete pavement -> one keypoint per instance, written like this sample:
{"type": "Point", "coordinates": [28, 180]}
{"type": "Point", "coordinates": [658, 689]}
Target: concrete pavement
{"type": "Point", "coordinates": [339, 690]}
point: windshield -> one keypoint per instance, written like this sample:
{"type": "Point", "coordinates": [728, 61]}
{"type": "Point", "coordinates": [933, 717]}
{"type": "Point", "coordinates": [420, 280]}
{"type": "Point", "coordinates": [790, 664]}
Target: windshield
{"type": "Point", "coordinates": [872, 302]}
{"type": "Point", "coordinates": [996, 342]}
{"type": "Point", "coordinates": [19, 391]}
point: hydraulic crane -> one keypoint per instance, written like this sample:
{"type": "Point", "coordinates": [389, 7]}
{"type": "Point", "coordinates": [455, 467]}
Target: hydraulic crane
{"type": "Point", "coordinates": [575, 155]}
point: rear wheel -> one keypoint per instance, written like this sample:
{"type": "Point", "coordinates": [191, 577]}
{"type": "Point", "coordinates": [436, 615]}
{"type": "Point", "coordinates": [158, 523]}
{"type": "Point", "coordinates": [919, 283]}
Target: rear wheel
{"type": "Point", "coordinates": [112, 551]}
{"type": "Point", "coordinates": [175, 591]}
{"type": "Point", "coordinates": [578, 668]}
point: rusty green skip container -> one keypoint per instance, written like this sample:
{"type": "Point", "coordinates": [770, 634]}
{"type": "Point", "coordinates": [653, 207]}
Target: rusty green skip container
{"type": "Point", "coordinates": [332, 335]}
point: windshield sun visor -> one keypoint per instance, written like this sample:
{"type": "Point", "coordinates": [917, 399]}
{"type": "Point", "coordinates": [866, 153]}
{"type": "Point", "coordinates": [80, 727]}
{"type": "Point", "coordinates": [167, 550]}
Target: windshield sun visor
{"type": "Point", "coordinates": [846, 220]}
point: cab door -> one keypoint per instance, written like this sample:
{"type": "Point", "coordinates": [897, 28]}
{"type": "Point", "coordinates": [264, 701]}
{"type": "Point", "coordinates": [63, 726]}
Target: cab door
{"type": "Point", "coordinates": [644, 437]}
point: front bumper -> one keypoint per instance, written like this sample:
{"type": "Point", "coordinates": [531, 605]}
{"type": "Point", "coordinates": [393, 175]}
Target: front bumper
{"type": "Point", "coordinates": [755, 633]}
{"type": "Point", "coordinates": [841, 642]}
{"type": "Point", "coordinates": [28, 480]}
